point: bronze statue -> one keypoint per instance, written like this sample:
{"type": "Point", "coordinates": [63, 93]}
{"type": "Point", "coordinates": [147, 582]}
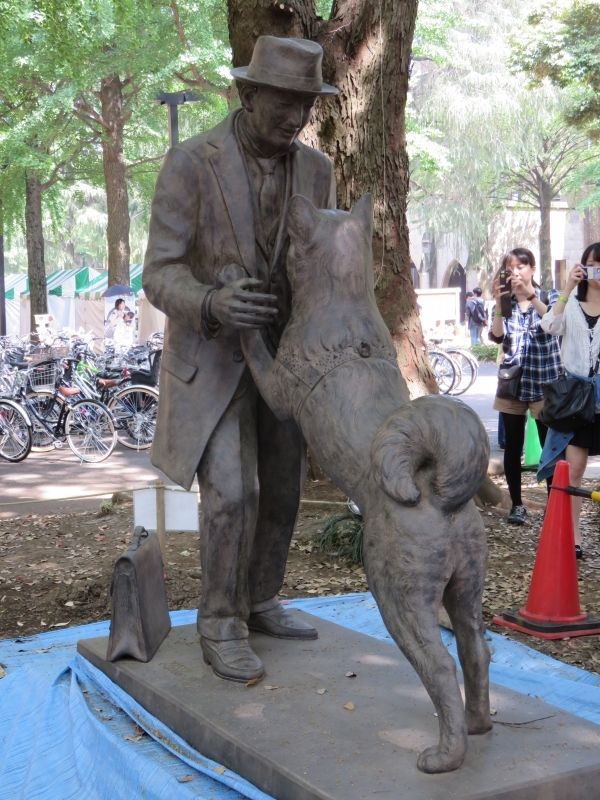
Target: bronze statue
{"type": "Point", "coordinates": [412, 467]}
{"type": "Point", "coordinates": [220, 205]}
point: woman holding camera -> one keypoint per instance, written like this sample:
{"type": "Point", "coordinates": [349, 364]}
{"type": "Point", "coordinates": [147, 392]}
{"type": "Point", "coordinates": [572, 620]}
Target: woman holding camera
{"type": "Point", "coordinates": [525, 345]}
{"type": "Point", "coordinates": [574, 317]}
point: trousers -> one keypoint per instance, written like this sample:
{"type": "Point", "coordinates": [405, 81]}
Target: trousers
{"type": "Point", "coordinates": [251, 478]}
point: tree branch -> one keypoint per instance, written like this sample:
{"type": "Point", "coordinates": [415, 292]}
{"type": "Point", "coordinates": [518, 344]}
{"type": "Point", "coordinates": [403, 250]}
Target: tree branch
{"type": "Point", "coordinates": [88, 114]}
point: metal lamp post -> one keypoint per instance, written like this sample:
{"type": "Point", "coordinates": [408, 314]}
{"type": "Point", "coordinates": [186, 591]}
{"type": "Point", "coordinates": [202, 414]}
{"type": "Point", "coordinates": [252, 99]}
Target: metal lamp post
{"type": "Point", "coordinates": [173, 100]}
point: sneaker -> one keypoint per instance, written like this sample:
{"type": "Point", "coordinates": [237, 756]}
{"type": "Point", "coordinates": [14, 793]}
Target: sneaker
{"type": "Point", "coordinates": [518, 515]}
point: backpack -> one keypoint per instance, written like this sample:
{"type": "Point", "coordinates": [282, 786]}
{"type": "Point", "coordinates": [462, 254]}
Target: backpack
{"type": "Point", "coordinates": [479, 313]}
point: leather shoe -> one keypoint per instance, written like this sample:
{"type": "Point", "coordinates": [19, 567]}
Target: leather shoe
{"type": "Point", "coordinates": [233, 659]}
{"type": "Point", "coordinates": [280, 623]}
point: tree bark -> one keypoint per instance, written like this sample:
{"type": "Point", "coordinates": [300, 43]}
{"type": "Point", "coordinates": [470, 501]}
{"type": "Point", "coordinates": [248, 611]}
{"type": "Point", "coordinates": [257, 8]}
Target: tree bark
{"type": "Point", "coordinates": [2, 283]}
{"type": "Point", "coordinates": [34, 235]}
{"type": "Point", "coordinates": [367, 51]}
{"type": "Point", "coordinates": [545, 198]}
{"type": "Point", "coordinates": [117, 201]}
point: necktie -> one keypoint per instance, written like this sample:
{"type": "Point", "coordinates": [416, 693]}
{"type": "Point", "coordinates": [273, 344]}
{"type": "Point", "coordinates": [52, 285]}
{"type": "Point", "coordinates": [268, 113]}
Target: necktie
{"type": "Point", "coordinates": [268, 200]}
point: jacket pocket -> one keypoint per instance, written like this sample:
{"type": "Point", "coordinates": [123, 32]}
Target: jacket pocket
{"type": "Point", "coordinates": [175, 365]}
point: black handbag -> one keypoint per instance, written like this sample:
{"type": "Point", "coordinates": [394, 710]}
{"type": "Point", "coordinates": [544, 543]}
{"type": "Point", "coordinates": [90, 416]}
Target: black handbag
{"type": "Point", "coordinates": [140, 616]}
{"type": "Point", "coordinates": [509, 380]}
{"type": "Point", "coordinates": [569, 404]}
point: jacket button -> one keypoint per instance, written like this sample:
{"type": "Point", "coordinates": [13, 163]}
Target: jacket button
{"type": "Point", "coordinates": [238, 356]}
{"type": "Point", "coordinates": [364, 349]}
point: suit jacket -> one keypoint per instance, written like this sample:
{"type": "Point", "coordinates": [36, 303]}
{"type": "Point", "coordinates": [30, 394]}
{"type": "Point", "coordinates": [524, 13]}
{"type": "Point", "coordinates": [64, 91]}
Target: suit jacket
{"type": "Point", "coordinates": [202, 220]}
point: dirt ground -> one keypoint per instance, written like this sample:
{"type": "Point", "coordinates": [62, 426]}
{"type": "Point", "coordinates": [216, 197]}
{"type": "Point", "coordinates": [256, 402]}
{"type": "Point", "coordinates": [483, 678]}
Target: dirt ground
{"type": "Point", "coordinates": [55, 569]}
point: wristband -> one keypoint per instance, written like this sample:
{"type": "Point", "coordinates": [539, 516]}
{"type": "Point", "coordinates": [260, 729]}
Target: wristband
{"type": "Point", "coordinates": [498, 314]}
{"type": "Point", "coordinates": [531, 297]}
{"type": "Point", "coordinates": [562, 299]}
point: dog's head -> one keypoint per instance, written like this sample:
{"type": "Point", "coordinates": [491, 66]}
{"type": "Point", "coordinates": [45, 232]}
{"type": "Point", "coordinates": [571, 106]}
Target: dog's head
{"type": "Point", "coordinates": [330, 249]}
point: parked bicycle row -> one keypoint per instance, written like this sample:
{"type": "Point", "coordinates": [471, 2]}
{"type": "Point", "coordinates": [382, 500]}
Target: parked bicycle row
{"type": "Point", "coordinates": [70, 395]}
{"type": "Point", "coordinates": [455, 369]}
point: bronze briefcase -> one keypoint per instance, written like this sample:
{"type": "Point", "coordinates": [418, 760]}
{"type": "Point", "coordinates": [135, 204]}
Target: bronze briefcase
{"type": "Point", "coordinates": [140, 616]}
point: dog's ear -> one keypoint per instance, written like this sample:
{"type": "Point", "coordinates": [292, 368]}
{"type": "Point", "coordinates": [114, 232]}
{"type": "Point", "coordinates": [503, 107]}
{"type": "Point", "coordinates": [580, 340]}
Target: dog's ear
{"type": "Point", "coordinates": [302, 218]}
{"type": "Point", "coordinates": [363, 210]}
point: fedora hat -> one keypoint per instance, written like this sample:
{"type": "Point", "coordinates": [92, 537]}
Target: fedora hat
{"type": "Point", "coordinates": [285, 63]}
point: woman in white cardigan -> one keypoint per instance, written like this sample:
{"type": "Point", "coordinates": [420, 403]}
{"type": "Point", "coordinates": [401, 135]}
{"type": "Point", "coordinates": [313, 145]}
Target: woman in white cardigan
{"type": "Point", "coordinates": [574, 317]}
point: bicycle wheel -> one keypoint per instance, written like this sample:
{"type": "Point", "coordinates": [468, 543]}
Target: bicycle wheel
{"type": "Point", "coordinates": [90, 430]}
{"type": "Point", "coordinates": [47, 406]}
{"type": "Point", "coordinates": [469, 369]}
{"type": "Point", "coordinates": [446, 370]}
{"type": "Point", "coordinates": [134, 410]}
{"type": "Point", "coordinates": [15, 432]}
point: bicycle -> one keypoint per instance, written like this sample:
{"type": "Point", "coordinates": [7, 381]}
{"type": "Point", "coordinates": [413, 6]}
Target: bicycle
{"type": "Point", "coordinates": [134, 405]}
{"type": "Point", "coordinates": [445, 369]}
{"type": "Point", "coordinates": [466, 367]}
{"type": "Point", "coordinates": [86, 425]}
{"type": "Point", "coordinates": [15, 431]}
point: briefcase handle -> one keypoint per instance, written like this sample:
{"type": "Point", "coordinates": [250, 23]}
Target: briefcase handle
{"type": "Point", "coordinates": [139, 534]}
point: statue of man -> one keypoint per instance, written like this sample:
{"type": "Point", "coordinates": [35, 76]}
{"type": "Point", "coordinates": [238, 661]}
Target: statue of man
{"type": "Point", "coordinates": [219, 212]}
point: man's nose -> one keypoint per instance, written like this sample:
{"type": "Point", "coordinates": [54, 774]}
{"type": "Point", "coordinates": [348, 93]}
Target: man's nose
{"type": "Point", "coordinates": [298, 116]}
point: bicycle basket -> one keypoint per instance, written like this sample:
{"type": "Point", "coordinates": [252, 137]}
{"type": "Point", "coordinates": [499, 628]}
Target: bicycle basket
{"type": "Point", "coordinates": [44, 377]}
{"type": "Point", "coordinates": [49, 353]}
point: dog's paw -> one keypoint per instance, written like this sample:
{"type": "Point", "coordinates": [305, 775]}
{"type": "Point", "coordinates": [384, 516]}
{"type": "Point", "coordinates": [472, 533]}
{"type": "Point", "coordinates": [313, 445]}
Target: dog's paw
{"type": "Point", "coordinates": [476, 727]}
{"type": "Point", "coordinates": [433, 759]}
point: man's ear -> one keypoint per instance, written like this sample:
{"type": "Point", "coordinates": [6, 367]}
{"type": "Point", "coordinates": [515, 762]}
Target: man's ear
{"type": "Point", "coordinates": [302, 218]}
{"type": "Point", "coordinates": [247, 93]}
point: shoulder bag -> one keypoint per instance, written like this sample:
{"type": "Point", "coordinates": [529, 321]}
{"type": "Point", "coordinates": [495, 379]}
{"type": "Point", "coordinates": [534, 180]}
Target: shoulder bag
{"type": "Point", "coordinates": [509, 379]}
{"type": "Point", "coordinates": [569, 403]}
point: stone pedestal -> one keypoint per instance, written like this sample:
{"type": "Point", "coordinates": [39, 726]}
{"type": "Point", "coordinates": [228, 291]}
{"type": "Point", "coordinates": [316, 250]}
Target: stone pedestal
{"type": "Point", "coordinates": [310, 731]}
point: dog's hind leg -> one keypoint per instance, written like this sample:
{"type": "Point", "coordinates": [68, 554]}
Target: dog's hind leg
{"type": "Point", "coordinates": [462, 600]}
{"type": "Point", "coordinates": [411, 618]}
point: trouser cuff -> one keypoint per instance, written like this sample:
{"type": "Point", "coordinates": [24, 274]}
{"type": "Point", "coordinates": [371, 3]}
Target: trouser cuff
{"type": "Point", "coordinates": [265, 605]}
{"type": "Point", "coordinates": [221, 629]}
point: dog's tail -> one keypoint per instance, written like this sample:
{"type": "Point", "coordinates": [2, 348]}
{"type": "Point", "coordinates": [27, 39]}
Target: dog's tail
{"type": "Point", "coordinates": [438, 438]}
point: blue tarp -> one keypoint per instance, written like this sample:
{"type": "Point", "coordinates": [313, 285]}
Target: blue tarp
{"type": "Point", "coordinates": [68, 733]}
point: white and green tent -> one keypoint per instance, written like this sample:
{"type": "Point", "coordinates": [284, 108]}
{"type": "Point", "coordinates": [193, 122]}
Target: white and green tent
{"type": "Point", "coordinates": [98, 285]}
{"type": "Point", "coordinates": [13, 285]}
{"type": "Point", "coordinates": [66, 282]}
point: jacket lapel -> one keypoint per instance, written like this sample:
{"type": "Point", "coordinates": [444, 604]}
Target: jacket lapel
{"type": "Point", "coordinates": [227, 164]}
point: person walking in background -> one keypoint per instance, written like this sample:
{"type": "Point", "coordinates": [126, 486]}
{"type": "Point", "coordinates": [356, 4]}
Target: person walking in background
{"type": "Point", "coordinates": [574, 317]}
{"type": "Point", "coordinates": [524, 344]}
{"type": "Point", "coordinates": [476, 315]}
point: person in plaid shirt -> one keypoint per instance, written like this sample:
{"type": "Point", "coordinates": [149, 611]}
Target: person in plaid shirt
{"type": "Point", "coordinates": [525, 343]}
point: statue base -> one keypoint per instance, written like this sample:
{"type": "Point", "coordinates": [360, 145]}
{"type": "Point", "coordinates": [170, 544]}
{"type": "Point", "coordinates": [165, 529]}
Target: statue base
{"type": "Point", "coordinates": [344, 718]}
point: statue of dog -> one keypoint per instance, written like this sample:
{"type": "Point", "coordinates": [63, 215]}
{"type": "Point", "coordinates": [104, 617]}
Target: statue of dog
{"type": "Point", "coordinates": [412, 467]}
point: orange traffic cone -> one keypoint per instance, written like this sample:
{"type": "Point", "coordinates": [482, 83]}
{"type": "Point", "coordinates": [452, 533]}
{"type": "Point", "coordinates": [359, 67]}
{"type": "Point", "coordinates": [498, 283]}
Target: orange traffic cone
{"type": "Point", "coordinates": [552, 610]}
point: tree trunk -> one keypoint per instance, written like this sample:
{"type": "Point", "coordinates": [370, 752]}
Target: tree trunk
{"type": "Point", "coordinates": [34, 235]}
{"type": "Point", "coordinates": [545, 272]}
{"type": "Point", "coordinates": [117, 201]}
{"type": "Point", "coordinates": [591, 225]}
{"type": "Point", "coordinates": [367, 50]}
{"type": "Point", "coordinates": [2, 284]}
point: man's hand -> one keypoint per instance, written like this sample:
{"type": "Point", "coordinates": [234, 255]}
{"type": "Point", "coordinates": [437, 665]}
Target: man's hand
{"type": "Point", "coordinates": [237, 305]}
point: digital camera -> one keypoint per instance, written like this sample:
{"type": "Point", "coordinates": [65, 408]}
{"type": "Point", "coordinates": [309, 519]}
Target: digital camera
{"type": "Point", "coordinates": [593, 273]}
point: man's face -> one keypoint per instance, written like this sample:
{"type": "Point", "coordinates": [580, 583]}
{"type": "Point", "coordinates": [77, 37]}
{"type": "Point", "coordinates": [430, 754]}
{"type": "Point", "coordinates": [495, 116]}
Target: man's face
{"type": "Point", "coordinates": [277, 117]}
